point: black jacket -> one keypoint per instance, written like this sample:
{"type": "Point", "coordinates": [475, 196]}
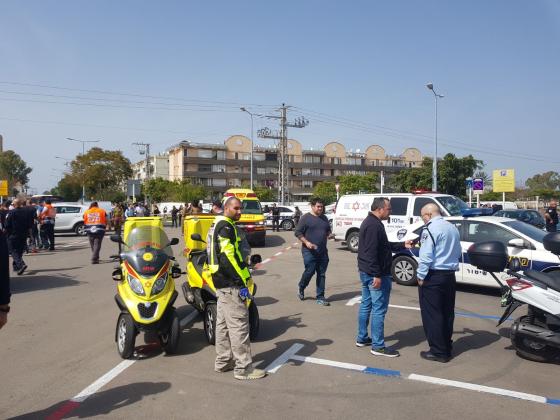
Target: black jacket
{"type": "Point", "coordinates": [18, 222]}
{"type": "Point", "coordinates": [375, 251]}
{"type": "Point", "coordinates": [229, 273]}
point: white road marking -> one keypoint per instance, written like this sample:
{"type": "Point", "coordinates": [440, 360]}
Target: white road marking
{"type": "Point", "coordinates": [342, 365]}
{"type": "Point", "coordinates": [283, 358]}
{"type": "Point", "coordinates": [354, 301]}
{"type": "Point", "coordinates": [479, 388]}
{"type": "Point", "coordinates": [101, 382]}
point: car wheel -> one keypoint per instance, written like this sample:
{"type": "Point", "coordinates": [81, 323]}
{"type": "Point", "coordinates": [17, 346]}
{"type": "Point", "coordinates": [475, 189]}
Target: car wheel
{"type": "Point", "coordinates": [403, 270]}
{"type": "Point", "coordinates": [210, 315]}
{"type": "Point", "coordinates": [80, 229]}
{"type": "Point", "coordinates": [287, 225]}
{"type": "Point", "coordinates": [352, 241]}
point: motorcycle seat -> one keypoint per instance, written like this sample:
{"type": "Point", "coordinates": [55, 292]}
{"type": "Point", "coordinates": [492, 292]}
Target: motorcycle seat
{"type": "Point", "coordinates": [551, 279]}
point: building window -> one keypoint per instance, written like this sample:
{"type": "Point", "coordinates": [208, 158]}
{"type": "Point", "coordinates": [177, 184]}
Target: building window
{"type": "Point", "coordinates": [259, 156]}
{"type": "Point", "coordinates": [204, 168]}
{"type": "Point", "coordinates": [312, 159]}
{"type": "Point", "coordinates": [307, 184]}
{"type": "Point", "coordinates": [220, 155]}
{"type": "Point", "coordinates": [218, 168]}
{"type": "Point", "coordinates": [336, 161]}
{"type": "Point", "coordinates": [219, 182]}
{"type": "Point", "coordinates": [271, 157]}
{"type": "Point", "coordinates": [206, 153]}
{"type": "Point", "coordinates": [260, 171]}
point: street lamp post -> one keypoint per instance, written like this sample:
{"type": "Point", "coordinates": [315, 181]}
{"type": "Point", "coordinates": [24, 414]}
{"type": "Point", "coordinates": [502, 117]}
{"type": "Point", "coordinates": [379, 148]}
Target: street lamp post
{"type": "Point", "coordinates": [83, 168]}
{"type": "Point", "coordinates": [251, 114]}
{"type": "Point", "coordinates": [437, 96]}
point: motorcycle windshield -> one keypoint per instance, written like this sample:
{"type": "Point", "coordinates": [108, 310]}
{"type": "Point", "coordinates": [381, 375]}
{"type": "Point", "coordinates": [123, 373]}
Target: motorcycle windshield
{"type": "Point", "coordinates": [147, 250]}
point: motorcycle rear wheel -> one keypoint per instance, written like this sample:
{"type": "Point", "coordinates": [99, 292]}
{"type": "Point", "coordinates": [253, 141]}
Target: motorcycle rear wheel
{"type": "Point", "coordinates": [533, 350]}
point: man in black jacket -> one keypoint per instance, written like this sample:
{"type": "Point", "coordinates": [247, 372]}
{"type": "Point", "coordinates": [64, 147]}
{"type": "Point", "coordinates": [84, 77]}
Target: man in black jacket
{"type": "Point", "coordinates": [4, 274]}
{"type": "Point", "coordinates": [374, 265]}
{"type": "Point", "coordinates": [18, 225]}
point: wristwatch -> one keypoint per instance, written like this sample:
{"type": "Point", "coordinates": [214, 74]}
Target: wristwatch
{"type": "Point", "coordinates": [5, 309]}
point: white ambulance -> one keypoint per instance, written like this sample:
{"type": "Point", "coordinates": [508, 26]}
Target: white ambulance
{"type": "Point", "coordinates": [352, 209]}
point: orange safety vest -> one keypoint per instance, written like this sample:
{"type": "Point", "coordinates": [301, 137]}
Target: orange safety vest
{"type": "Point", "coordinates": [48, 213]}
{"type": "Point", "coordinates": [95, 220]}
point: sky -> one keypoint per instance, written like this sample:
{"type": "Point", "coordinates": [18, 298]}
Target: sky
{"type": "Point", "coordinates": [160, 72]}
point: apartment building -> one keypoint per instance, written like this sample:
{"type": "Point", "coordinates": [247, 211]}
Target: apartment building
{"type": "Point", "coordinates": [159, 167]}
{"type": "Point", "coordinates": [222, 166]}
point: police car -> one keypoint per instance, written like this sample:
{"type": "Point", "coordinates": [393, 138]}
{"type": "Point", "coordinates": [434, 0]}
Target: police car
{"type": "Point", "coordinates": [524, 243]}
{"type": "Point", "coordinates": [287, 221]}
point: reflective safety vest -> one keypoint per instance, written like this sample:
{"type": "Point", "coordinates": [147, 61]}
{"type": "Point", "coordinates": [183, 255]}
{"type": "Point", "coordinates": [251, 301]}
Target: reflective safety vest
{"type": "Point", "coordinates": [216, 245]}
{"type": "Point", "coordinates": [95, 220]}
{"type": "Point", "coordinates": [48, 214]}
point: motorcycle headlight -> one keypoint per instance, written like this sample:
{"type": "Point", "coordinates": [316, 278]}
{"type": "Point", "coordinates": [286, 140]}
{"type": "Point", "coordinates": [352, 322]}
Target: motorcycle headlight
{"type": "Point", "coordinates": [159, 284]}
{"type": "Point", "coordinates": [136, 285]}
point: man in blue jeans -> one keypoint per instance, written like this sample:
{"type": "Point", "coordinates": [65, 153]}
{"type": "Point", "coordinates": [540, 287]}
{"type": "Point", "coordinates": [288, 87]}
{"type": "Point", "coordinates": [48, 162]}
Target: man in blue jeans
{"type": "Point", "coordinates": [374, 264]}
{"type": "Point", "coordinates": [313, 230]}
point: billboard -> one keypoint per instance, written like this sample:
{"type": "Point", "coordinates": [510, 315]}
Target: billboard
{"type": "Point", "coordinates": [503, 180]}
{"type": "Point", "coordinates": [3, 187]}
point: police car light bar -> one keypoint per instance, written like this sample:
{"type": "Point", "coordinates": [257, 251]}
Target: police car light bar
{"type": "Point", "coordinates": [476, 212]}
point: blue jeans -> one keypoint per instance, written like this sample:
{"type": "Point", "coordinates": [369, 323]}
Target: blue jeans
{"type": "Point", "coordinates": [374, 304]}
{"type": "Point", "coordinates": [315, 262]}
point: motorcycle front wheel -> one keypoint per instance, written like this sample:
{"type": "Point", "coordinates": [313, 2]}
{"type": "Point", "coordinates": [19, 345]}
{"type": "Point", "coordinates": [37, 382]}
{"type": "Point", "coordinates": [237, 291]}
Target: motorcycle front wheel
{"type": "Point", "coordinates": [126, 335]}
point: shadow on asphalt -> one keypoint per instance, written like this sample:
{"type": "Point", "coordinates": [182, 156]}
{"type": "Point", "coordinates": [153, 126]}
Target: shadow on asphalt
{"type": "Point", "coordinates": [272, 328]}
{"type": "Point", "coordinates": [103, 402]}
{"type": "Point", "coordinates": [309, 348]}
{"type": "Point", "coordinates": [343, 296]}
{"type": "Point", "coordinates": [272, 241]}
{"type": "Point", "coordinates": [22, 284]}
{"type": "Point", "coordinates": [265, 300]}
{"type": "Point", "coordinates": [407, 338]}
{"type": "Point", "coordinates": [478, 290]}
{"type": "Point", "coordinates": [47, 270]}
{"type": "Point", "coordinates": [472, 340]}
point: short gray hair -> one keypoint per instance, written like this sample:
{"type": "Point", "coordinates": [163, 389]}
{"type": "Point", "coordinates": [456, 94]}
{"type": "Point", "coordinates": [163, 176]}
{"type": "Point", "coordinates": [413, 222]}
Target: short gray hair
{"type": "Point", "coordinates": [379, 203]}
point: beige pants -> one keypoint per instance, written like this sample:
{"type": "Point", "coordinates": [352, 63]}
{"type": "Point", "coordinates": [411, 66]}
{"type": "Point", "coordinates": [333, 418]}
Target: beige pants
{"type": "Point", "coordinates": [232, 331]}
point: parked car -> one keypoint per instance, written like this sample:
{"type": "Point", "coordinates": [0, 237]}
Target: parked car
{"type": "Point", "coordinates": [352, 209]}
{"type": "Point", "coordinates": [70, 218]}
{"type": "Point", "coordinates": [286, 217]}
{"type": "Point", "coordinates": [532, 217]}
{"type": "Point", "coordinates": [524, 243]}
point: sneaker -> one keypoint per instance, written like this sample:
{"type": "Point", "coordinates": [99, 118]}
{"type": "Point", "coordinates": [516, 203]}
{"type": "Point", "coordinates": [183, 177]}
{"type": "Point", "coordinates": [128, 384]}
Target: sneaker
{"type": "Point", "coordinates": [227, 368]}
{"type": "Point", "coordinates": [300, 295]}
{"type": "Point", "coordinates": [22, 269]}
{"type": "Point", "coordinates": [385, 352]}
{"type": "Point", "coordinates": [323, 302]}
{"type": "Point", "coordinates": [251, 374]}
{"type": "Point", "coordinates": [365, 343]}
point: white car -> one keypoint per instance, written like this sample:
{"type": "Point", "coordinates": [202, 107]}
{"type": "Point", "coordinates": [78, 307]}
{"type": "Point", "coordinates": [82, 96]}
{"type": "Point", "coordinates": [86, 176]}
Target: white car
{"type": "Point", "coordinates": [286, 217]}
{"type": "Point", "coordinates": [524, 243]}
{"type": "Point", "coordinates": [70, 218]}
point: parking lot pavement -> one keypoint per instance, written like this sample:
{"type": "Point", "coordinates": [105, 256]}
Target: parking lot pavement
{"type": "Point", "coordinates": [60, 340]}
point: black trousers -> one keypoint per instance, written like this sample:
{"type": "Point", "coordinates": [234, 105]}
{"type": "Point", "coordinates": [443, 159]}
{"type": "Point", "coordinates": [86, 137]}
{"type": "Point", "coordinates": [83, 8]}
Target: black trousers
{"type": "Point", "coordinates": [17, 246]}
{"type": "Point", "coordinates": [48, 230]}
{"type": "Point", "coordinates": [95, 245]}
{"type": "Point", "coordinates": [437, 306]}
{"type": "Point", "coordinates": [276, 223]}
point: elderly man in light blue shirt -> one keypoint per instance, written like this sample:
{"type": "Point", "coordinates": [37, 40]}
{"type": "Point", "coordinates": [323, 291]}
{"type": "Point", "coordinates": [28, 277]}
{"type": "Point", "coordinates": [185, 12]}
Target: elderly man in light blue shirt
{"type": "Point", "coordinates": [440, 254]}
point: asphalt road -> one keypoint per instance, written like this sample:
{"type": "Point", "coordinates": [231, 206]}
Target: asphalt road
{"type": "Point", "coordinates": [60, 340]}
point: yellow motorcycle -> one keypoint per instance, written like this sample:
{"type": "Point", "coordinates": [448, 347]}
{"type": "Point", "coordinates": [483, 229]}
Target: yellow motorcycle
{"type": "Point", "coordinates": [146, 289]}
{"type": "Point", "coordinates": [199, 289]}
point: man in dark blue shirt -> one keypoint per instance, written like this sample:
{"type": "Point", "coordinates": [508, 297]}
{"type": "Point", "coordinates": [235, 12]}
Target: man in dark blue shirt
{"type": "Point", "coordinates": [313, 230]}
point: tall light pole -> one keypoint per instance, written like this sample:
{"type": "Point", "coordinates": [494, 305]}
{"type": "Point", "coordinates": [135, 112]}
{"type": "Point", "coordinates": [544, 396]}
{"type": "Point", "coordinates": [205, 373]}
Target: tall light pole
{"type": "Point", "coordinates": [434, 164]}
{"type": "Point", "coordinates": [83, 168]}
{"type": "Point", "coordinates": [251, 114]}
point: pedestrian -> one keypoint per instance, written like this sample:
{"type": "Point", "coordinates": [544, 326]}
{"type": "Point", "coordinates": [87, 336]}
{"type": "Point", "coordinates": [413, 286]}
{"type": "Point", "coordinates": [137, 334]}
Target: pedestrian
{"type": "Point", "coordinates": [139, 210]}
{"type": "Point", "coordinates": [47, 218]}
{"type": "Point", "coordinates": [297, 215]}
{"type": "Point", "coordinates": [34, 242]}
{"type": "Point", "coordinates": [174, 212]}
{"type": "Point", "coordinates": [95, 221]}
{"type": "Point", "coordinates": [18, 226]}
{"type": "Point", "coordinates": [313, 231]}
{"type": "Point", "coordinates": [230, 275]}
{"type": "Point", "coordinates": [196, 208]}
{"type": "Point", "coordinates": [216, 208]}
{"type": "Point", "coordinates": [164, 213]}
{"type": "Point", "coordinates": [4, 271]}
{"type": "Point", "coordinates": [130, 211]}
{"type": "Point", "coordinates": [118, 217]}
{"type": "Point", "coordinates": [440, 253]}
{"type": "Point", "coordinates": [374, 266]}
{"type": "Point", "coordinates": [156, 210]}
{"type": "Point", "coordinates": [275, 218]}
{"type": "Point", "coordinates": [551, 216]}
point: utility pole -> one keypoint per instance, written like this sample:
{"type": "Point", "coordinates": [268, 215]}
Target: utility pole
{"type": "Point", "coordinates": [282, 137]}
{"type": "Point", "coordinates": [145, 150]}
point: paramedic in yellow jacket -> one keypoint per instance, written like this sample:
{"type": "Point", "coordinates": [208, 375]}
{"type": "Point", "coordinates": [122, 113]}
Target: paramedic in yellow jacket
{"type": "Point", "coordinates": [230, 275]}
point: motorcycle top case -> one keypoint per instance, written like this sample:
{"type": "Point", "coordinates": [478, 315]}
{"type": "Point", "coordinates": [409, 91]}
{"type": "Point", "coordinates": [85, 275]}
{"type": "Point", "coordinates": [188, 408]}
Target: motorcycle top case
{"type": "Point", "coordinates": [551, 242]}
{"type": "Point", "coordinates": [489, 256]}
{"type": "Point", "coordinates": [199, 223]}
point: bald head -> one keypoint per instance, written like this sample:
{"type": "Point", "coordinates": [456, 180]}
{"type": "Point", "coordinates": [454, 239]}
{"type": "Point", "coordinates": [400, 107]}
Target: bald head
{"type": "Point", "coordinates": [429, 211]}
{"type": "Point", "coordinates": [232, 208]}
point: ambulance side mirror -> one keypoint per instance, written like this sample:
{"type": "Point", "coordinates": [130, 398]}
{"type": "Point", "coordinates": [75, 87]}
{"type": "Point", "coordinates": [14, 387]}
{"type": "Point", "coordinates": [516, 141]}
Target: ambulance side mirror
{"type": "Point", "coordinates": [196, 237]}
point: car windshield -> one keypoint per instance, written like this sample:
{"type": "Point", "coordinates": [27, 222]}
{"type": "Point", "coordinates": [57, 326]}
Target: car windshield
{"type": "Point", "coordinates": [148, 237]}
{"type": "Point", "coordinates": [454, 206]}
{"type": "Point", "coordinates": [527, 230]}
{"type": "Point", "coordinates": [251, 207]}
{"type": "Point", "coordinates": [511, 214]}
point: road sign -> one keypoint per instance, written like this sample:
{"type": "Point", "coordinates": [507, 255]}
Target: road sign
{"type": "Point", "coordinates": [133, 187]}
{"type": "Point", "coordinates": [478, 185]}
{"type": "Point", "coordinates": [3, 187]}
{"type": "Point", "coordinates": [504, 180]}
{"type": "Point", "coordinates": [469, 182]}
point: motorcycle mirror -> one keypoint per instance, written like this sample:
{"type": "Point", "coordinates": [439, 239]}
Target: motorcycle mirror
{"type": "Point", "coordinates": [117, 273]}
{"type": "Point", "coordinates": [196, 237]}
{"type": "Point", "coordinates": [174, 241]}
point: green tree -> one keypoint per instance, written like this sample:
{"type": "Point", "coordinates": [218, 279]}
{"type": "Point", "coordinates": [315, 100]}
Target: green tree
{"type": "Point", "coordinates": [350, 184]}
{"type": "Point", "coordinates": [69, 187]}
{"type": "Point", "coordinates": [325, 190]}
{"type": "Point", "coordinates": [186, 192]}
{"type": "Point", "coordinates": [104, 172]}
{"type": "Point", "coordinates": [14, 169]}
{"type": "Point", "coordinates": [546, 181]}
{"type": "Point", "coordinates": [160, 190]}
{"type": "Point", "coordinates": [264, 193]}
{"type": "Point", "coordinates": [452, 172]}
